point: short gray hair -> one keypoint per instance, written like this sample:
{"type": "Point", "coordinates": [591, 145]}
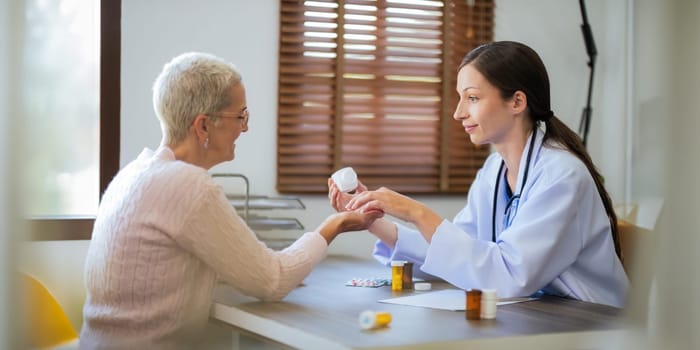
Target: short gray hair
{"type": "Point", "coordinates": [191, 84]}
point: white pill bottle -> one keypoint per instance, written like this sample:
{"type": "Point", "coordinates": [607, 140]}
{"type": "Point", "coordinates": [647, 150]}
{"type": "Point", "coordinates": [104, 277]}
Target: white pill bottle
{"type": "Point", "coordinates": [345, 179]}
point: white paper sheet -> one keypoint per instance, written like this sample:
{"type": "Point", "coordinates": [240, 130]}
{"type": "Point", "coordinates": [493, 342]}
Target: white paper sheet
{"type": "Point", "coordinates": [448, 299]}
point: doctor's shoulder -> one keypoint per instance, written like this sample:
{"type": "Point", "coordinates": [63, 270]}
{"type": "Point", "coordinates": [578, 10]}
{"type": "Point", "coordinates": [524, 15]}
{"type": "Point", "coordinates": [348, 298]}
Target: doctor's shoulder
{"type": "Point", "coordinates": [491, 165]}
{"type": "Point", "coordinates": [556, 163]}
{"type": "Point", "coordinates": [486, 176]}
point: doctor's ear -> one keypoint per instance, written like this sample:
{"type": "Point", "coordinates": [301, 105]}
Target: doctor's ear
{"type": "Point", "coordinates": [519, 102]}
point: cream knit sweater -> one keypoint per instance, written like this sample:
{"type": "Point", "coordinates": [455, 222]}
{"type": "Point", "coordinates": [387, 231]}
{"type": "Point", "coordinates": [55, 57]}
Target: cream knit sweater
{"type": "Point", "coordinates": [163, 234]}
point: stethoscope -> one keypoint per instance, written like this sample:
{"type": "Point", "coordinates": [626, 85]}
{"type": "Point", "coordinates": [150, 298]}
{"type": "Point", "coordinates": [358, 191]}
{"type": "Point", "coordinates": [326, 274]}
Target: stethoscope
{"type": "Point", "coordinates": [515, 199]}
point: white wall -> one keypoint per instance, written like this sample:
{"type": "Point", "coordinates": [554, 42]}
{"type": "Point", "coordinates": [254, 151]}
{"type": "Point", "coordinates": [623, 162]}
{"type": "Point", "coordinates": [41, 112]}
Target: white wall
{"type": "Point", "coordinates": [242, 32]}
{"type": "Point", "coordinates": [654, 28]}
{"type": "Point", "coordinates": [553, 29]}
{"type": "Point", "coordinates": [246, 33]}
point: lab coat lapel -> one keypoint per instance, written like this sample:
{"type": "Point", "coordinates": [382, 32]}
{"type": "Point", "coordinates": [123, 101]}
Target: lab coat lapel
{"type": "Point", "coordinates": [533, 160]}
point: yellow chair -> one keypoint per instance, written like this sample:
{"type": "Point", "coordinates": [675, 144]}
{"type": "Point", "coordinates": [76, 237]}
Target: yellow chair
{"type": "Point", "coordinates": [47, 324]}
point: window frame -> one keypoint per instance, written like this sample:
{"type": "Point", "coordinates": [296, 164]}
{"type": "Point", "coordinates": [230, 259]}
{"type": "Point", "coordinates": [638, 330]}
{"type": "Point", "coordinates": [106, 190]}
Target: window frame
{"type": "Point", "coordinates": [47, 228]}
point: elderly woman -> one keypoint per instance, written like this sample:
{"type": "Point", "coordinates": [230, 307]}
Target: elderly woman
{"type": "Point", "coordinates": [165, 231]}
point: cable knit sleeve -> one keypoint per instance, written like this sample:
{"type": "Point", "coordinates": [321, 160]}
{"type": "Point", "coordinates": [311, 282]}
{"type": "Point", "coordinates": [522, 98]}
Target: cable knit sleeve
{"type": "Point", "coordinates": [217, 235]}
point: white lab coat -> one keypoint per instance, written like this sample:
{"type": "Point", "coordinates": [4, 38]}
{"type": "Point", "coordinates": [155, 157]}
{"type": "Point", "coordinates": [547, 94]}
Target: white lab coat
{"type": "Point", "coordinates": [559, 242]}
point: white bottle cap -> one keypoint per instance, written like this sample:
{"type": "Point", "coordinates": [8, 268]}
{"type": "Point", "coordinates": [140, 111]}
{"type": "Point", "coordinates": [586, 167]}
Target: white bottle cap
{"type": "Point", "coordinates": [367, 319]}
{"type": "Point", "coordinates": [422, 286]}
{"type": "Point", "coordinates": [398, 262]}
{"type": "Point", "coordinates": [488, 294]}
{"type": "Point", "coordinates": [345, 179]}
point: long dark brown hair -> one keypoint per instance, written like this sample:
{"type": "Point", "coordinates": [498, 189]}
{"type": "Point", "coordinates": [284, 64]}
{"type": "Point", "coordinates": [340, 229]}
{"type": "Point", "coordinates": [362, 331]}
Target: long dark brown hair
{"type": "Point", "coordinates": [512, 66]}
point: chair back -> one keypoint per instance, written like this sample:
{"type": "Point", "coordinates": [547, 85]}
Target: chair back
{"type": "Point", "coordinates": [637, 245]}
{"type": "Point", "coordinates": [47, 325]}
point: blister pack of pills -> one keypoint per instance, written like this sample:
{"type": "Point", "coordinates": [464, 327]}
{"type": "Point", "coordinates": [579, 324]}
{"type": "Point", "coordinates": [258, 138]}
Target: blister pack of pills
{"type": "Point", "coordinates": [368, 282]}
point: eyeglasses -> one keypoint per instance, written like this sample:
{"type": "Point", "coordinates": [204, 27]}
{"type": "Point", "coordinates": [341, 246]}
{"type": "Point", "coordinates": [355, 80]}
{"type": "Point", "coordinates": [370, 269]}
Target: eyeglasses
{"type": "Point", "coordinates": [242, 118]}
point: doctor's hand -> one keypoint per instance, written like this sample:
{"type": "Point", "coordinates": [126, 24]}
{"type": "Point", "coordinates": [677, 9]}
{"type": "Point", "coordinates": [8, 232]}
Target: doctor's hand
{"type": "Point", "coordinates": [398, 206]}
{"type": "Point", "coordinates": [339, 200]}
{"type": "Point", "coordinates": [386, 200]}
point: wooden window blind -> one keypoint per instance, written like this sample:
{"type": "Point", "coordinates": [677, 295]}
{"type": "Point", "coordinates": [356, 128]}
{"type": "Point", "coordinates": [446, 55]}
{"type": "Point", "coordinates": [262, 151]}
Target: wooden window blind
{"type": "Point", "coordinates": [371, 84]}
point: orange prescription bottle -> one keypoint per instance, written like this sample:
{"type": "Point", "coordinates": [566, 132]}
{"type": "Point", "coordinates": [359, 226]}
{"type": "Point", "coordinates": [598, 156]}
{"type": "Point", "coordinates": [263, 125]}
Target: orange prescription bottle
{"type": "Point", "coordinates": [473, 307]}
{"type": "Point", "coordinates": [397, 275]}
{"type": "Point", "coordinates": [374, 319]}
{"type": "Point", "coordinates": [407, 278]}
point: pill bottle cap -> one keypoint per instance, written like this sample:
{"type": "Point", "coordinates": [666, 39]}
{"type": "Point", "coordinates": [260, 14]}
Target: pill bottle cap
{"type": "Point", "coordinates": [345, 179]}
{"type": "Point", "coordinates": [488, 294]}
{"type": "Point", "coordinates": [366, 319]}
{"type": "Point", "coordinates": [422, 286]}
{"type": "Point", "coordinates": [398, 262]}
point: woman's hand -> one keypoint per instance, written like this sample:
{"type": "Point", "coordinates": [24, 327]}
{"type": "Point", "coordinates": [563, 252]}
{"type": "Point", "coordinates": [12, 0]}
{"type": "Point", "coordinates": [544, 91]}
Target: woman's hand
{"type": "Point", "coordinates": [347, 221]}
{"type": "Point", "coordinates": [384, 230]}
{"type": "Point", "coordinates": [339, 200]}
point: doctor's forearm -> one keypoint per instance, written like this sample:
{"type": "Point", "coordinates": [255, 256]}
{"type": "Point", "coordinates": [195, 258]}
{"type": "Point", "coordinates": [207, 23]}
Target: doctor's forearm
{"type": "Point", "coordinates": [426, 221]}
{"type": "Point", "coordinates": [386, 231]}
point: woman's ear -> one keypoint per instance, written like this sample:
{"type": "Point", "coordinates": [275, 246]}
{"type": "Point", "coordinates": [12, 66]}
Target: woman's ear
{"type": "Point", "coordinates": [519, 102]}
{"type": "Point", "coordinates": [200, 126]}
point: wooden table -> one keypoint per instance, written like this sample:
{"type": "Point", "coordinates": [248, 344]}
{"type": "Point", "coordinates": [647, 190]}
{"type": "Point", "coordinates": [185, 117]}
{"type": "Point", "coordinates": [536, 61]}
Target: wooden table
{"type": "Point", "coordinates": [323, 312]}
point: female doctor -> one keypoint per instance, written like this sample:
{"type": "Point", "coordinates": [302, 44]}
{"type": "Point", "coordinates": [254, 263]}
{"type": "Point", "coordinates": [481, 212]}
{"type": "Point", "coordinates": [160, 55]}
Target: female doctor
{"type": "Point", "coordinates": [537, 216]}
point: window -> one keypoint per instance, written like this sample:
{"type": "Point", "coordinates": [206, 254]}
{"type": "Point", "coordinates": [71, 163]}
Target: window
{"type": "Point", "coordinates": [371, 84]}
{"type": "Point", "coordinates": [60, 98]}
{"type": "Point", "coordinates": [70, 92]}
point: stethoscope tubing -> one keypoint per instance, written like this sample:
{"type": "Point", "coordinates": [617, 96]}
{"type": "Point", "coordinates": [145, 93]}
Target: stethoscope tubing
{"type": "Point", "coordinates": [522, 185]}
